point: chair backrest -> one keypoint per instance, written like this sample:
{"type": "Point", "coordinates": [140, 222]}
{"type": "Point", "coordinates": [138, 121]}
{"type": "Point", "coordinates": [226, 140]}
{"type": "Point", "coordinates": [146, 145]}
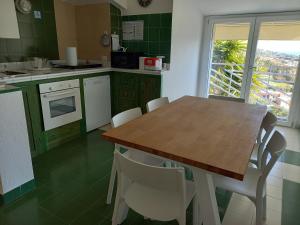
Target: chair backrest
{"type": "Point", "coordinates": [156, 103]}
{"type": "Point", "coordinates": [268, 125]}
{"type": "Point", "coordinates": [241, 100]}
{"type": "Point", "coordinates": [158, 178]}
{"type": "Point", "coordinates": [125, 117]}
{"type": "Point", "coordinates": [274, 149]}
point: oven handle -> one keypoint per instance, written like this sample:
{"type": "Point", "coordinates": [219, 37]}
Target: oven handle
{"type": "Point", "coordinates": [57, 94]}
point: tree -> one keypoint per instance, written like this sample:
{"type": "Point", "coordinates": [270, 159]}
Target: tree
{"type": "Point", "coordinates": [231, 52]}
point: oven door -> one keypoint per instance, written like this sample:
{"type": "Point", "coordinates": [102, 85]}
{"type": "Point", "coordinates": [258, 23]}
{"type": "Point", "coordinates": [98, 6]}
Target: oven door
{"type": "Point", "coordinates": [61, 107]}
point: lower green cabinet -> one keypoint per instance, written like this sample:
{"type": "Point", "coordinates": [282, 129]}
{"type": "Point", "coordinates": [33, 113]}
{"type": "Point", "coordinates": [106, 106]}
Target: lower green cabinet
{"type": "Point", "coordinates": [34, 116]}
{"type": "Point", "coordinates": [130, 90]}
{"type": "Point", "coordinates": [125, 94]}
{"type": "Point", "coordinates": [150, 88]}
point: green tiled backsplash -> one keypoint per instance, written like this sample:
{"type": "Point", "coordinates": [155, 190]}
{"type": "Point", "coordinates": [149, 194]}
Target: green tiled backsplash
{"type": "Point", "coordinates": [157, 35]}
{"type": "Point", "coordinates": [157, 32]}
{"type": "Point", "coordinates": [116, 20]}
{"type": "Point", "coordinates": [37, 36]}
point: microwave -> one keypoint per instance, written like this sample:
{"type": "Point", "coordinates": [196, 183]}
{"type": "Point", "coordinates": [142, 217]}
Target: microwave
{"type": "Point", "coordinates": [126, 60]}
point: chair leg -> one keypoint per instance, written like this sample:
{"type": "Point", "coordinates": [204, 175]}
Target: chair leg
{"type": "Point", "coordinates": [196, 212]}
{"type": "Point", "coordinates": [120, 211]}
{"type": "Point", "coordinates": [264, 214]}
{"type": "Point", "coordinates": [111, 183]}
{"type": "Point", "coordinates": [259, 212]}
{"type": "Point", "coordinates": [116, 210]}
{"type": "Point", "coordinates": [182, 220]}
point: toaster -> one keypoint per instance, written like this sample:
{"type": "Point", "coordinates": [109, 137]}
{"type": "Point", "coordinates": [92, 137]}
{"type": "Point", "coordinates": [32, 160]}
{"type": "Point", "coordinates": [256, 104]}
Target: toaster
{"type": "Point", "coordinates": [152, 63]}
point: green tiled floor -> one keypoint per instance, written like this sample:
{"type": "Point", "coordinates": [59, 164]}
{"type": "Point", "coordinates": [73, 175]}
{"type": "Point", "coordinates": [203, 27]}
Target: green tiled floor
{"type": "Point", "coordinates": [290, 203]}
{"type": "Point", "coordinates": [72, 183]}
{"type": "Point", "coordinates": [290, 157]}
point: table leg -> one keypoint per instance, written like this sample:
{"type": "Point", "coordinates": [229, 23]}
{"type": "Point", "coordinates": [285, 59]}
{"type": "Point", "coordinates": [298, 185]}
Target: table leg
{"type": "Point", "coordinates": [205, 190]}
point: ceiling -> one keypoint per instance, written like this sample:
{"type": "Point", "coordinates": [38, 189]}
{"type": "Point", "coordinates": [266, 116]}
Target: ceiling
{"type": "Point", "coordinates": [223, 7]}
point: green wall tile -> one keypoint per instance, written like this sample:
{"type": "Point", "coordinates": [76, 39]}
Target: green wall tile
{"type": "Point", "coordinates": [3, 49]}
{"type": "Point", "coordinates": [13, 46]}
{"type": "Point", "coordinates": [154, 34]}
{"type": "Point", "coordinates": [26, 30]}
{"type": "Point", "coordinates": [164, 47]}
{"type": "Point", "coordinates": [154, 20]}
{"type": "Point", "coordinates": [37, 36]}
{"type": "Point", "coordinates": [165, 34]}
{"type": "Point", "coordinates": [166, 20]}
{"type": "Point", "coordinates": [154, 48]}
{"type": "Point", "coordinates": [157, 34]}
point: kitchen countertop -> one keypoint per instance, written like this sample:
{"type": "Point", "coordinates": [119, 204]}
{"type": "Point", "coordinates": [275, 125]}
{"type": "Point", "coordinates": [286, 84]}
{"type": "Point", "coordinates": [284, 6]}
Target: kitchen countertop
{"type": "Point", "coordinates": [58, 72]}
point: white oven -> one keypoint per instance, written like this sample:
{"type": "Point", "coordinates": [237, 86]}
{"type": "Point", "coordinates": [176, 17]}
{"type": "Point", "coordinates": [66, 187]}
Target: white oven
{"type": "Point", "coordinates": [61, 103]}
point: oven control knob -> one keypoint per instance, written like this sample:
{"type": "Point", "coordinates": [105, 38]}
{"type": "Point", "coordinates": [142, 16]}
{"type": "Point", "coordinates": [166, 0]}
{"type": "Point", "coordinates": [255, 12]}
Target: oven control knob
{"type": "Point", "coordinates": [70, 85]}
{"type": "Point", "coordinates": [50, 88]}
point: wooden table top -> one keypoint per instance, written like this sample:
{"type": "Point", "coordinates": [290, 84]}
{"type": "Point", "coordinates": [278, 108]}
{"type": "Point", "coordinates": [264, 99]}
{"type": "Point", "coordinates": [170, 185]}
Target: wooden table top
{"type": "Point", "coordinates": [210, 134]}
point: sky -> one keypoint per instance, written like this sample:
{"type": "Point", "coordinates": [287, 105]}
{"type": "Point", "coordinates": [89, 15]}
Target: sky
{"type": "Point", "coordinates": [290, 47]}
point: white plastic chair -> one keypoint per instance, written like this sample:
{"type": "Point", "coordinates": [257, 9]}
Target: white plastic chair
{"type": "Point", "coordinates": [267, 127]}
{"type": "Point", "coordinates": [157, 193]}
{"type": "Point", "coordinates": [144, 157]}
{"type": "Point", "coordinates": [218, 97]}
{"type": "Point", "coordinates": [253, 186]}
{"type": "Point", "coordinates": [156, 103]}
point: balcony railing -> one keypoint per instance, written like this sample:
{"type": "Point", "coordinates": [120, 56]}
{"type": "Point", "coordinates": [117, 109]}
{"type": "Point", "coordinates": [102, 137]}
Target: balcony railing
{"type": "Point", "coordinates": [272, 86]}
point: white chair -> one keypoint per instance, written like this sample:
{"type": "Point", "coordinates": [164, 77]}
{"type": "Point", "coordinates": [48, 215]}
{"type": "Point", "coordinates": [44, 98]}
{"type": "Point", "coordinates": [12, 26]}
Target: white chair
{"type": "Point", "coordinates": [218, 97]}
{"type": "Point", "coordinates": [156, 103]}
{"type": "Point", "coordinates": [253, 186]}
{"type": "Point", "coordinates": [157, 193]}
{"type": "Point", "coordinates": [144, 157]}
{"type": "Point", "coordinates": [267, 127]}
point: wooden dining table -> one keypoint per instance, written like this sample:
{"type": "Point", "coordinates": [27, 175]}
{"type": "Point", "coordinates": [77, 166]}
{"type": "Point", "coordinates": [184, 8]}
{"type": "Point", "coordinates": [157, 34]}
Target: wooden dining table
{"type": "Point", "coordinates": [210, 136]}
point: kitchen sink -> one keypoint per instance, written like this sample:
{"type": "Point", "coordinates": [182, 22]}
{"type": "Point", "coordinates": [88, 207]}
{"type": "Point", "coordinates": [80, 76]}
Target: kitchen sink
{"type": "Point", "coordinates": [12, 73]}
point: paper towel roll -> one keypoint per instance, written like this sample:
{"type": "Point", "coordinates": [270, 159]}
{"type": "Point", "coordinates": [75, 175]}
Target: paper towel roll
{"type": "Point", "coordinates": [71, 56]}
{"type": "Point", "coordinates": [115, 42]}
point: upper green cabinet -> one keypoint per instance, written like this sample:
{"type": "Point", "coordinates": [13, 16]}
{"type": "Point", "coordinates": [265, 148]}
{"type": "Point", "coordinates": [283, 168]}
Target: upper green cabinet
{"type": "Point", "coordinates": [131, 90]}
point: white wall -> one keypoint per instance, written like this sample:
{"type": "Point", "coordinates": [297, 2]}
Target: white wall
{"type": "Point", "coordinates": [120, 3]}
{"type": "Point", "coordinates": [157, 6]}
{"type": "Point", "coordinates": [182, 79]}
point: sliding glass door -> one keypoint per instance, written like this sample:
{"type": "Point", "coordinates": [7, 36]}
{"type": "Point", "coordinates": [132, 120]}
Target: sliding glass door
{"type": "Point", "coordinates": [275, 67]}
{"type": "Point", "coordinates": [256, 58]}
{"type": "Point", "coordinates": [229, 54]}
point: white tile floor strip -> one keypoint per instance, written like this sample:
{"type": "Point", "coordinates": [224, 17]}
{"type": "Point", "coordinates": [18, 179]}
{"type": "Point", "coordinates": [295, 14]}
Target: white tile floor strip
{"type": "Point", "coordinates": [292, 136]}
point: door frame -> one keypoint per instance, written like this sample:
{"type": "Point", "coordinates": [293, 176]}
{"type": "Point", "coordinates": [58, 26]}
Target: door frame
{"type": "Point", "coordinates": [255, 21]}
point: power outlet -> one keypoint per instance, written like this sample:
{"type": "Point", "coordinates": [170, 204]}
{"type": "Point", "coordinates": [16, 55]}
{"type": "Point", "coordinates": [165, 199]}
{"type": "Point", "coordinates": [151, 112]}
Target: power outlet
{"type": "Point", "coordinates": [37, 14]}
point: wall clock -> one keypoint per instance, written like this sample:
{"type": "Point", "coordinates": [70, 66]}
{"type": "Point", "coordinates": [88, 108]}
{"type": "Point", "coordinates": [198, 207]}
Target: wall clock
{"type": "Point", "coordinates": [23, 6]}
{"type": "Point", "coordinates": [144, 3]}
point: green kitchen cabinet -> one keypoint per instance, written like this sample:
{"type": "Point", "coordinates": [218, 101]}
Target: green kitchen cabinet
{"type": "Point", "coordinates": [150, 88]}
{"type": "Point", "coordinates": [34, 116]}
{"type": "Point", "coordinates": [130, 90]}
{"type": "Point", "coordinates": [125, 88]}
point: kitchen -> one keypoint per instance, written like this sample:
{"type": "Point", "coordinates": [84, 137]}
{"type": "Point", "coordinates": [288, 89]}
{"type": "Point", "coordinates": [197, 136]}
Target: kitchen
{"type": "Point", "coordinates": [96, 93]}
{"type": "Point", "coordinates": [74, 70]}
